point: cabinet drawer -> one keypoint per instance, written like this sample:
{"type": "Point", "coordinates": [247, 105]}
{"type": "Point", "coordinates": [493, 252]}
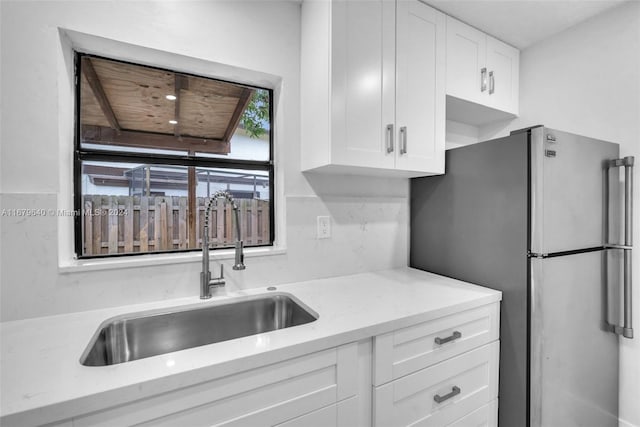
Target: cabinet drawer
{"type": "Point", "coordinates": [487, 416]}
{"type": "Point", "coordinates": [262, 396]}
{"type": "Point", "coordinates": [407, 350]}
{"type": "Point", "coordinates": [461, 385]}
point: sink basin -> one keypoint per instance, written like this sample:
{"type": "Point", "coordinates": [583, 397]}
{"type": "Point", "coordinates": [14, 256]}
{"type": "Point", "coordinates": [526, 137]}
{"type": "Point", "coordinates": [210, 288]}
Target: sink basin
{"type": "Point", "coordinates": [145, 334]}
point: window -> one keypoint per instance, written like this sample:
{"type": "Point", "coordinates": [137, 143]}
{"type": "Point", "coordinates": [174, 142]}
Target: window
{"type": "Point", "coordinates": [153, 145]}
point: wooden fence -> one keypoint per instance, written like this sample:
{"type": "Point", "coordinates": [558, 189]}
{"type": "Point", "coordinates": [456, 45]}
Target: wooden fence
{"type": "Point", "coordinates": [126, 224]}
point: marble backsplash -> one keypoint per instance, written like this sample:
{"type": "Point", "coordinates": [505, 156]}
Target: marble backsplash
{"type": "Point", "coordinates": [368, 233]}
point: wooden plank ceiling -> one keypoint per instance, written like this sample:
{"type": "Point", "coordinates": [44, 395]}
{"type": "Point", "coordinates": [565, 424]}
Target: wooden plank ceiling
{"type": "Point", "coordinates": [124, 104]}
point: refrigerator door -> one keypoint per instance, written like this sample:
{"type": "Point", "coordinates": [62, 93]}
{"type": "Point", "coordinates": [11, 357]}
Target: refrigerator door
{"type": "Point", "coordinates": [568, 190]}
{"type": "Point", "coordinates": [574, 358]}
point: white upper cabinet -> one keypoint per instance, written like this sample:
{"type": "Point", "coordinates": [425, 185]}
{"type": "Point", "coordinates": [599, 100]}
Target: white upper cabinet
{"type": "Point", "coordinates": [420, 82]}
{"type": "Point", "coordinates": [373, 87]}
{"type": "Point", "coordinates": [466, 58]}
{"type": "Point", "coordinates": [481, 69]}
{"type": "Point", "coordinates": [503, 65]}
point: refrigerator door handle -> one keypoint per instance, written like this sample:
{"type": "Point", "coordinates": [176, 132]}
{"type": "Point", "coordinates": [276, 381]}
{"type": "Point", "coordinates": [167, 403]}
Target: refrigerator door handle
{"type": "Point", "coordinates": [626, 330]}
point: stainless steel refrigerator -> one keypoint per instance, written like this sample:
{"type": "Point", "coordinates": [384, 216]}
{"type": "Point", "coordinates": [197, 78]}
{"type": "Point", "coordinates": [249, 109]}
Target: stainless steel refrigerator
{"type": "Point", "coordinates": [545, 217]}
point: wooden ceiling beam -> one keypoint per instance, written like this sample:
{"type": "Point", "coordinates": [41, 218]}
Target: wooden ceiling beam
{"type": "Point", "coordinates": [181, 82]}
{"type": "Point", "coordinates": [212, 88]}
{"type": "Point", "coordinates": [98, 91]}
{"type": "Point", "coordinates": [243, 102]}
{"type": "Point", "coordinates": [107, 136]}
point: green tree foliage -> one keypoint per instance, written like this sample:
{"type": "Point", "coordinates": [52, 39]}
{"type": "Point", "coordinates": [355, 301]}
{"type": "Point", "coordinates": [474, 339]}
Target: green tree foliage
{"type": "Point", "coordinates": [256, 115]}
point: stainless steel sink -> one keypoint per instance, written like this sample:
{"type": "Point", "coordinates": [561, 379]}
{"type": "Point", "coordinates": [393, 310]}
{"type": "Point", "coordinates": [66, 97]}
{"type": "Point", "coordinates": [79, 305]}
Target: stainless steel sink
{"type": "Point", "coordinates": [139, 335]}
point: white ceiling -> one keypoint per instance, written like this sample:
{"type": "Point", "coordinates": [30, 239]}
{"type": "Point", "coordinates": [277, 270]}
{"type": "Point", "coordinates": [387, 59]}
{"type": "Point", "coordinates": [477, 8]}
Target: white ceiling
{"type": "Point", "coordinates": [522, 23]}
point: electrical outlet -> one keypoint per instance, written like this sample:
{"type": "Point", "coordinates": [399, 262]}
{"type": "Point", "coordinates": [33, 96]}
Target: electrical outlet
{"type": "Point", "coordinates": [324, 227]}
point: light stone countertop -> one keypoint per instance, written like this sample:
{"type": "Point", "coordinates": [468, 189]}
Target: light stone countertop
{"type": "Point", "coordinates": [42, 380]}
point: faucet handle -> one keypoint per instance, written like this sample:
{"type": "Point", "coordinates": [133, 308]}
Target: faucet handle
{"type": "Point", "coordinates": [218, 281]}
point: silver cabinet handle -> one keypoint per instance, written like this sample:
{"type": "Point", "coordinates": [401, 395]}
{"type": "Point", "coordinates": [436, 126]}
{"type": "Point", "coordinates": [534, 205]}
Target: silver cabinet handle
{"type": "Point", "coordinates": [483, 79]}
{"type": "Point", "coordinates": [492, 83]}
{"type": "Point", "coordinates": [455, 390]}
{"type": "Point", "coordinates": [403, 140]}
{"type": "Point", "coordinates": [626, 330]}
{"type": "Point", "coordinates": [389, 138]}
{"type": "Point", "coordinates": [454, 336]}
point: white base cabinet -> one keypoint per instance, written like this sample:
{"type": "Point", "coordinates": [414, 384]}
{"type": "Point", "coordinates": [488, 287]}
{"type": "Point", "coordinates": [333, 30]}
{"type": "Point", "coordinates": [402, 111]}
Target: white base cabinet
{"type": "Point", "coordinates": [321, 387]}
{"type": "Point", "coordinates": [443, 372]}
{"type": "Point", "coordinates": [438, 373]}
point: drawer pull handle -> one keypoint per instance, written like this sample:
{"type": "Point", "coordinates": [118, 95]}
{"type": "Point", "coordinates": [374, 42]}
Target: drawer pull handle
{"type": "Point", "coordinates": [455, 390]}
{"type": "Point", "coordinates": [452, 337]}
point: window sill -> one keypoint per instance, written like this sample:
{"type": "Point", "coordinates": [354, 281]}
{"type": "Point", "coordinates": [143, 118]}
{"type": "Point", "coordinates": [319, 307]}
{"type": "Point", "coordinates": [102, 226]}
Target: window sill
{"type": "Point", "coordinates": [84, 265]}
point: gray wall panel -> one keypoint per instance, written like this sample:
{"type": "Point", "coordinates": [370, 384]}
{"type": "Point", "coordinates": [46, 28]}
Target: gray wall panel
{"type": "Point", "coordinates": [471, 224]}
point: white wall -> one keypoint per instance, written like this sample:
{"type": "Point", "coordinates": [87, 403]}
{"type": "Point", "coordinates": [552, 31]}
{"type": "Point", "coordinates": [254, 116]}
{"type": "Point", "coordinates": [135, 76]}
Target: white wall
{"type": "Point", "coordinates": [587, 81]}
{"type": "Point", "coordinates": [369, 216]}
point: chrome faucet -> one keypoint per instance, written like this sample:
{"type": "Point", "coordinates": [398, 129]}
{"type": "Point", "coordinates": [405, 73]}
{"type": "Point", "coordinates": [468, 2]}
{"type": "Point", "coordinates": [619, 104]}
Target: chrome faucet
{"type": "Point", "coordinates": [206, 282]}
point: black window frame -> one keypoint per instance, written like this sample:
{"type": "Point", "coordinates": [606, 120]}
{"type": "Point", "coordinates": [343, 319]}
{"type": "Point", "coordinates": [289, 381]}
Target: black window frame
{"type": "Point", "coordinates": [89, 154]}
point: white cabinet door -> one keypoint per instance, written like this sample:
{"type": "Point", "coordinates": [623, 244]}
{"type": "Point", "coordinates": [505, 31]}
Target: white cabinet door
{"type": "Point", "coordinates": [267, 395]}
{"type": "Point", "coordinates": [362, 83]}
{"type": "Point", "coordinates": [420, 83]}
{"type": "Point", "coordinates": [481, 69]}
{"type": "Point", "coordinates": [466, 56]}
{"type": "Point", "coordinates": [503, 65]}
